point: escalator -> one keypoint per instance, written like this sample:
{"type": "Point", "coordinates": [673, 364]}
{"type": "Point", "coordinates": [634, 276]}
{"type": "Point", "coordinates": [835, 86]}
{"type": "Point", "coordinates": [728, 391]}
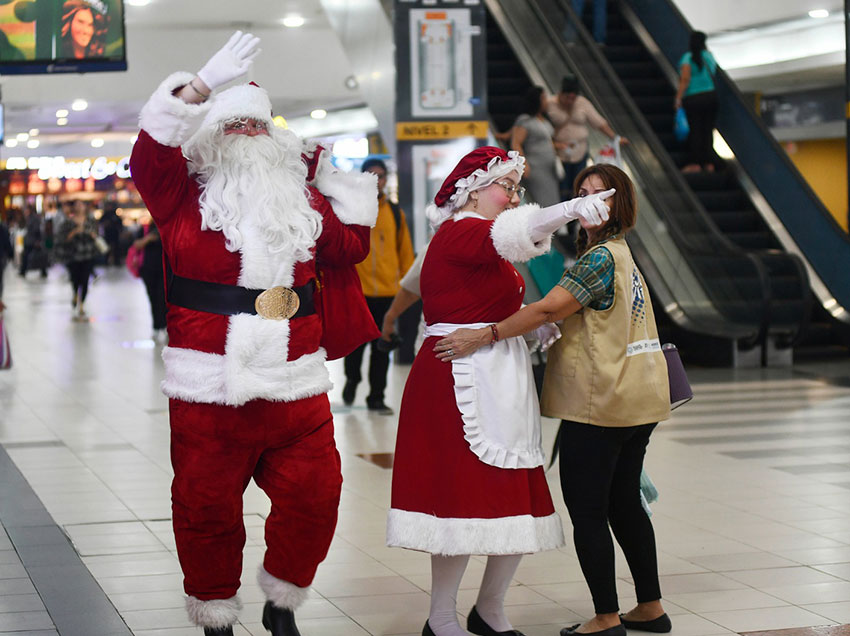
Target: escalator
{"type": "Point", "coordinates": [650, 82]}
{"type": "Point", "coordinates": [716, 297]}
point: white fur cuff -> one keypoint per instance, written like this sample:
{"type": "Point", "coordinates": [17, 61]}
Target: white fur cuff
{"type": "Point", "coordinates": [282, 594]}
{"type": "Point", "coordinates": [512, 237]}
{"type": "Point", "coordinates": [521, 534]}
{"type": "Point", "coordinates": [217, 613]}
{"type": "Point", "coordinates": [168, 119]}
{"type": "Point", "coordinates": [353, 195]}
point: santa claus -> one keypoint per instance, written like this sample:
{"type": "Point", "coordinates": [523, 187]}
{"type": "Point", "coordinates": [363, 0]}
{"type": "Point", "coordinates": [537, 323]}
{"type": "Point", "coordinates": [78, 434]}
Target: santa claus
{"type": "Point", "coordinates": [247, 222]}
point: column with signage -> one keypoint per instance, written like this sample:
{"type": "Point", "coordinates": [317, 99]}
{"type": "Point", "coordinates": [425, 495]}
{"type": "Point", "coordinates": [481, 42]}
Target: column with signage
{"type": "Point", "coordinates": [441, 96]}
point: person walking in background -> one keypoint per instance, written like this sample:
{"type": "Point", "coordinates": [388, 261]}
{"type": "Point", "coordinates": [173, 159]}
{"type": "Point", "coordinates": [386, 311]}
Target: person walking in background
{"type": "Point", "coordinates": [531, 137]}
{"type": "Point", "coordinates": [34, 255]}
{"type": "Point", "coordinates": [600, 17]}
{"type": "Point", "coordinates": [151, 274]}
{"type": "Point", "coordinates": [7, 252]}
{"type": "Point", "coordinates": [696, 93]}
{"type": "Point", "coordinates": [572, 115]}
{"type": "Point", "coordinates": [111, 226]}
{"type": "Point", "coordinates": [76, 247]}
{"type": "Point", "coordinates": [390, 256]}
{"type": "Point", "coordinates": [606, 380]}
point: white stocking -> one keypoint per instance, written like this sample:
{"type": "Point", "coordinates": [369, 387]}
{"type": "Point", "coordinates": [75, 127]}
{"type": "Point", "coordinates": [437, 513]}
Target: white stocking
{"type": "Point", "coordinates": [491, 597]}
{"type": "Point", "coordinates": [446, 573]}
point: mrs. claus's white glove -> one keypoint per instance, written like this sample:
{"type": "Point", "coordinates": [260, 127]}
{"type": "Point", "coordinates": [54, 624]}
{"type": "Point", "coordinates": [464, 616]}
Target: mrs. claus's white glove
{"type": "Point", "coordinates": [547, 334]}
{"type": "Point", "coordinates": [231, 61]}
{"type": "Point", "coordinates": [546, 220]}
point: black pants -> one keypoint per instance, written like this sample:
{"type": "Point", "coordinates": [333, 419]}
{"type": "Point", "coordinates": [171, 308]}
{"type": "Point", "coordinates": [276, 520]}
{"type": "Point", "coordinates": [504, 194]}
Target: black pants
{"type": "Point", "coordinates": [600, 479]}
{"type": "Point", "coordinates": [26, 255]}
{"type": "Point", "coordinates": [80, 272]}
{"type": "Point", "coordinates": [701, 110]}
{"type": "Point", "coordinates": [571, 170]}
{"type": "Point", "coordinates": [379, 361]}
{"type": "Point", "coordinates": [155, 286]}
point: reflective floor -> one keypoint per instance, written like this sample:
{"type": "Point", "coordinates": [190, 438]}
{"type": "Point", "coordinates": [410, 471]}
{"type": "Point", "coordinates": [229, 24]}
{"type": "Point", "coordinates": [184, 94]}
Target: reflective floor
{"type": "Point", "coordinates": [753, 520]}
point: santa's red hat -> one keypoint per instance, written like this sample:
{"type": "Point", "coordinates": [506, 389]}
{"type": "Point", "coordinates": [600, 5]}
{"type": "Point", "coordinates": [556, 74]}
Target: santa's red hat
{"type": "Point", "coordinates": [246, 101]}
{"type": "Point", "coordinates": [476, 170]}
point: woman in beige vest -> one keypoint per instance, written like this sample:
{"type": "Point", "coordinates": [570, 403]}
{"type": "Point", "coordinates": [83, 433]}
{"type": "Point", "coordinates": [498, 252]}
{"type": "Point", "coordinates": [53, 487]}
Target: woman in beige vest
{"type": "Point", "coordinates": [606, 379]}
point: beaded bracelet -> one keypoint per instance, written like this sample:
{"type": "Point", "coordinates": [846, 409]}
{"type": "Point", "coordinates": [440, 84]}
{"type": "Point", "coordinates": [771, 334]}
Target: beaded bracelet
{"type": "Point", "coordinates": [495, 333]}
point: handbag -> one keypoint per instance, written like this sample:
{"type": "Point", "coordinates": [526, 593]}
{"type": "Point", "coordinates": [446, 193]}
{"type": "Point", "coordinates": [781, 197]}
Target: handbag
{"type": "Point", "coordinates": [610, 153]}
{"type": "Point", "coordinates": [101, 244]}
{"type": "Point", "coordinates": [681, 128]}
{"type": "Point", "coordinates": [135, 258]}
{"type": "Point", "coordinates": [347, 322]}
{"type": "Point", "coordinates": [680, 388]}
{"type": "Point", "coordinates": [5, 351]}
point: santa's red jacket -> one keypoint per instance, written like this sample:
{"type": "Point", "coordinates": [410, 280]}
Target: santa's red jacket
{"type": "Point", "coordinates": [233, 359]}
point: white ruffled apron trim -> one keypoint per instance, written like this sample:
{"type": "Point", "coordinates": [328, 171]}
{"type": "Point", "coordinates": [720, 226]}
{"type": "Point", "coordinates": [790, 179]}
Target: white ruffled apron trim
{"type": "Point", "coordinates": [497, 400]}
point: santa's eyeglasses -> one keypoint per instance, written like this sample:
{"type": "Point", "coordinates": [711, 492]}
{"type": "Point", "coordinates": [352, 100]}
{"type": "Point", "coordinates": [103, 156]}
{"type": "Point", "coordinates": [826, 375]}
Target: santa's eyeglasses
{"type": "Point", "coordinates": [246, 125]}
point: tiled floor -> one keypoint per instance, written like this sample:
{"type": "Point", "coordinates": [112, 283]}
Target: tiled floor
{"type": "Point", "coordinates": [753, 521]}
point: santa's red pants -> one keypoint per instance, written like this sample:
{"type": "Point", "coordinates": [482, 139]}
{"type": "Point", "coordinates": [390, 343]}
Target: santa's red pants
{"type": "Point", "coordinates": [288, 448]}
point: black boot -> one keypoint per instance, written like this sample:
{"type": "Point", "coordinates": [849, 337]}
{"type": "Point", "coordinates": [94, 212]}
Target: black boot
{"type": "Point", "coordinates": [218, 631]}
{"type": "Point", "coordinates": [280, 622]}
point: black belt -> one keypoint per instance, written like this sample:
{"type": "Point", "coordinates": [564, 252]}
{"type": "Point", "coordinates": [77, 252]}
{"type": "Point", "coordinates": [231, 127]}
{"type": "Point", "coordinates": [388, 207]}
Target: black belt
{"type": "Point", "coordinates": [276, 303]}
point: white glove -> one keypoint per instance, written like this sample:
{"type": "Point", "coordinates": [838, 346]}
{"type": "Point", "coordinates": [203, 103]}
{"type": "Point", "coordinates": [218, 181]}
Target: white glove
{"type": "Point", "coordinates": [231, 61]}
{"type": "Point", "coordinates": [547, 334]}
{"type": "Point", "coordinates": [591, 208]}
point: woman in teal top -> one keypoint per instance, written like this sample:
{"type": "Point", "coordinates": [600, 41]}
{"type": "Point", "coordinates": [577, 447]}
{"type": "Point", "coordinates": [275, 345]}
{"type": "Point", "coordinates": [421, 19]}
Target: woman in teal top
{"type": "Point", "coordinates": [696, 93]}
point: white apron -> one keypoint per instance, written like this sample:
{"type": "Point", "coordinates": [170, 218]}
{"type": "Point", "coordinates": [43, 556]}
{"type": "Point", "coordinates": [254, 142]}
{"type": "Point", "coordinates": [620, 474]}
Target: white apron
{"type": "Point", "coordinates": [497, 400]}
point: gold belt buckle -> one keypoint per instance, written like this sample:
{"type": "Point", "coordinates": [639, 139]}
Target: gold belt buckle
{"type": "Point", "coordinates": [277, 303]}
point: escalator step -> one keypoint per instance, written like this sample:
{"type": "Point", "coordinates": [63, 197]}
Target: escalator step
{"type": "Point", "coordinates": [635, 68]}
{"type": "Point", "coordinates": [731, 221]}
{"type": "Point", "coordinates": [656, 103]}
{"type": "Point", "coordinates": [785, 287]}
{"type": "Point", "coordinates": [700, 181]}
{"type": "Point", "coordinates": [622, 53]}
{"type": "Point", "coordinates": [752, 240]}
{"type": "Point", "coordinates": [724, 200]}
{"type": "Point", "coordinates": [639, 86]}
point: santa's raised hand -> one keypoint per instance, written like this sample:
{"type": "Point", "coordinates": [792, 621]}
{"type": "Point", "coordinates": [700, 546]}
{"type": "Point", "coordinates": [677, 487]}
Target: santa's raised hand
{"type": "Point", "coordinates": [231, 61]}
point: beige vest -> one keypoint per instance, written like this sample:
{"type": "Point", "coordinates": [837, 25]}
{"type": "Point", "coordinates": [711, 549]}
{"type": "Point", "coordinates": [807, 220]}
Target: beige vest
{"type": "Point", "coordinates": [608, 368]}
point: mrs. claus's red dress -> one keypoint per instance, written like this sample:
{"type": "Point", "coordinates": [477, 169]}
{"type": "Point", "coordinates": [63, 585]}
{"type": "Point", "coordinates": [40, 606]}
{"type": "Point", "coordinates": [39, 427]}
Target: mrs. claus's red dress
{"type": "Point", "coordinates": [445, 499]}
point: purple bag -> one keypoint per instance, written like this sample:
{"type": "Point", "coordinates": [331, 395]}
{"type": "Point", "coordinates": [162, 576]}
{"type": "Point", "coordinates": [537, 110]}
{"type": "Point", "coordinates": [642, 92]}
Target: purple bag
{"type": "Point", "coordinates": [5, 352]}
{"type": "Point", "coordinates": [680, 388]}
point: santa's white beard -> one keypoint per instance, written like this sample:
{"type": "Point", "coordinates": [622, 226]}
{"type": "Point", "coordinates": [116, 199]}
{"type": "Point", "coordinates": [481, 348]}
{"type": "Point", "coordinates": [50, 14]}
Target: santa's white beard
{"type": "Point", "coordinates": [261, 178]}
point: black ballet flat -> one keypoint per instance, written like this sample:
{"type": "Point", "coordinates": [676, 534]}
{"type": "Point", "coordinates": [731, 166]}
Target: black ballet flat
{"type": "Point", "coordinates": [477, 625]}
{"type": "Point", "coordinates": [617, 630]}
{"type": "Point", "coordinates": [660, 625]}
{"type": "Point", "coordinates": [427, 631]}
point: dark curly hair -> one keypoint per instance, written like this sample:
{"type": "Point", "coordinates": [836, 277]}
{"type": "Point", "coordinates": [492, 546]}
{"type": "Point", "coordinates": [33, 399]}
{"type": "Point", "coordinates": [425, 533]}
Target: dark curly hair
{"type": "Point", "coordinates": [97, 44]}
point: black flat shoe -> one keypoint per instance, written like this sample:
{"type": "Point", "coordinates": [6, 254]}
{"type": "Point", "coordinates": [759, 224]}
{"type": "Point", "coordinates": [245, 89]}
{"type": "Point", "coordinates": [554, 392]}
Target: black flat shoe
{"type": "Point", "coordinates": [660, 625]}
{"type": "Point", "coordinates": [219, 631]}
{"type": "Point", "coordinates": [477, 625]}
{"type": "Point", "coordinates": [280, 622]}
{"type": "Point", "coordinates": [427, 631]}
{"type": "Point", "coordinates": [617, 630]}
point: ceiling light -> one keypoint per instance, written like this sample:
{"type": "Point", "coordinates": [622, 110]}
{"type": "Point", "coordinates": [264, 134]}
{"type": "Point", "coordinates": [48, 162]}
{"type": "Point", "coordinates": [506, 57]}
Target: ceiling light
{"type": "Point", "coordinates": [97, 142]}
{"type": "Point", "coordinates": [62, 121]}
{"type": "Point", "coordinates": [32, 143]}
{"type": "Point", "coordinates": [79, 104]}
{"type": "Point", "coordinates": [818, 13]}
{"type": "Point", "coordinates": [11, 143]}
{"type": "Point", "coordinates": [319, 113]}
{"type": "Point", "coordinates": [33, 132]}
{"type": "Point", "coordinates": [351, 82]}
{"type": "Point", "coordinates": [280, 122]}
{"type": "Point", "coordinates": [293, 21]}
{"type": "Point", "coordinates": [22, 136]}
{"type": "Point", "coordinates": [62, 112]}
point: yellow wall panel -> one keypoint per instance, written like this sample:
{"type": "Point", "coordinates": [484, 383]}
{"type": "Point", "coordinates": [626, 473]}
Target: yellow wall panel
{"type": "Point", "coordinates": [823, 163]}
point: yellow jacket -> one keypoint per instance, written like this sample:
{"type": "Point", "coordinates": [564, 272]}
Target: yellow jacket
{"type": "Point", "coordinates": [390, 254]}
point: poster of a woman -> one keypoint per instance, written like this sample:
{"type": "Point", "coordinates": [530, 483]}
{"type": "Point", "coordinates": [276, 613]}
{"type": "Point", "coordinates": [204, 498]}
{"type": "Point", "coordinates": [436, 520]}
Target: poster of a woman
{"type": "Point", "coordinates": [84, 27]}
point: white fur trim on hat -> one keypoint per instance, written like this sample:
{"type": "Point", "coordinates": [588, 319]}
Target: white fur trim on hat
{"type": "Point", "coordinates": [520, 534]}
{"type": "Point", "coordinates": [481, 178]}
{"type": "Point", "coordinates": [168, 119]}
{"type": "Point", "coordinates": [240, 102]}
{"type": "Point", "coordinates": [512, 237]}
{"type": "Point", "coordinates": [282, 594]}
{"type": "Point", "coordinates": [353, 195]}
{"type": "Point", "coordinates": [217, 613]}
